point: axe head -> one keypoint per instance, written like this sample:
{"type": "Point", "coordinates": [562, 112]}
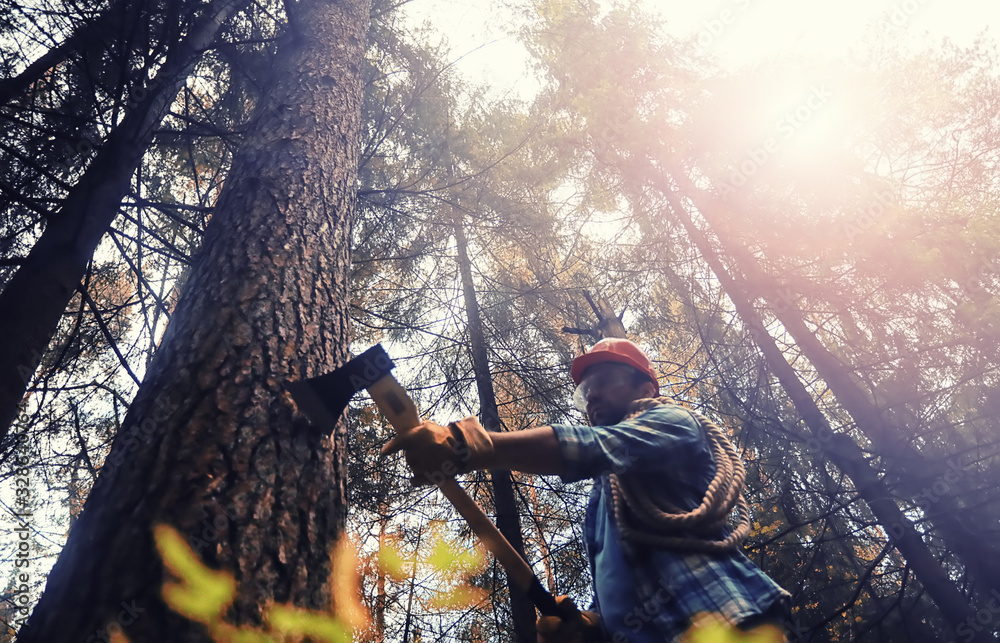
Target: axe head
{"type": "Point", "coordinates": [323, 399]}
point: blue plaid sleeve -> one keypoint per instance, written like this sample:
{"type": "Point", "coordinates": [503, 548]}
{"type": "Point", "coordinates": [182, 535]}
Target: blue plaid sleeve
{"type": "Point", "coordinates": [663, 436]}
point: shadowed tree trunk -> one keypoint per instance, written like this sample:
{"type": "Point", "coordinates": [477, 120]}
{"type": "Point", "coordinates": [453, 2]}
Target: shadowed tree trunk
{"type": "Point", "coordinates": [34, 300]}
{"type": "Point", "coordinates": [212, 444]}
{"type": "Point", "coordinates": [88, 39]}
{"type": "Point", "coordinates": [508, 522]}
{"type": "Point", "coordinates": [838, 447]}
{"type": "Point", "coordinates": [893, 443]}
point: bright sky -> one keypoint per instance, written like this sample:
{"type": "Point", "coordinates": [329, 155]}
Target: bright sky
{"type": "Point", "coordinates": [738, 32]}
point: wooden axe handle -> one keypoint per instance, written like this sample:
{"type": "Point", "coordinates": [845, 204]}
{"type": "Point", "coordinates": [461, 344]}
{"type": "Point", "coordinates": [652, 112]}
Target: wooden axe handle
{"type": "Point", "coordinates": [402, 414]}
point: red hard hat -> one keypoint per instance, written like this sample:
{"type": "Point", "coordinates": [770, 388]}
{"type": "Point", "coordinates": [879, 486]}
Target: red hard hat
{"type": "Point", "coordinates": [613, 349]}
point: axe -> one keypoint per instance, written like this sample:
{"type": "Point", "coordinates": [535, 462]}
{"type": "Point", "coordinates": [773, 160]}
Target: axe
{"type": "Point", "coordinates": [323, 399]}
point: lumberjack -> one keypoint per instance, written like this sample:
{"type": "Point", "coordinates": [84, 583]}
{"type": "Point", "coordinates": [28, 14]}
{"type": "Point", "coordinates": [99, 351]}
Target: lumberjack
{"type": "Point", "coordinates": [666, 480]}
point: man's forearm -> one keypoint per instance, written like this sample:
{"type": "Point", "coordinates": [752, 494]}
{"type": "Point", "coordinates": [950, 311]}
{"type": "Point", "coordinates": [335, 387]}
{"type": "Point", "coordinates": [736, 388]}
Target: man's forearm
{"type": "Point", "coordinates": [529, 451]}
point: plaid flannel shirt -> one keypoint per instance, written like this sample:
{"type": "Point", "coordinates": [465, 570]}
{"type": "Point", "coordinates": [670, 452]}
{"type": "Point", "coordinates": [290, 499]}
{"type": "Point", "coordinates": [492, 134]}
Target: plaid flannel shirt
{"type": "Point", "coordinates": [667, 451]}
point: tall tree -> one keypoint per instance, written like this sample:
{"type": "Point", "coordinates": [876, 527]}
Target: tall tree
{"type": "Point", "coordinates": [839, 447]}
{"type": "Point", "coordinates": [35, 298]}
{"type": "Point", "coordinates": [522, 610]}
{"type": "Point", "coordinates": [212, 444]}
{"type": "Point", "coordinates": [633, 123]}
{"type": "Point", "coordinates": [88, 39]}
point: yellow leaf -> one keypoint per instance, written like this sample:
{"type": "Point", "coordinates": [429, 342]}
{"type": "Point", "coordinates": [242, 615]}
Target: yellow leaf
{"type": "Point", "coordinates": [459, 597]}
{"type": "Point", "coordinates": [290, 621]}
{"type": "Point", "coordinates": [227, 633]}
{"type": "Point", "coordinates": [346, 578]}
{"type": "Point", "coordinates": [201, 594]}
{"type": "Point", "coordinates": [440, 556]}
{"type": "Point", "coordinates": [392, 562]}
{"type": "Point", "coordinates": [710, 630]}
{"type": "Point", "coordinates": [453, 562]}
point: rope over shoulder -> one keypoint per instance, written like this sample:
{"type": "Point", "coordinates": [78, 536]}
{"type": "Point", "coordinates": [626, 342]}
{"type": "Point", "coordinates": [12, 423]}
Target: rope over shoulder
{"type": "Point", "coordinates": [662, 522]}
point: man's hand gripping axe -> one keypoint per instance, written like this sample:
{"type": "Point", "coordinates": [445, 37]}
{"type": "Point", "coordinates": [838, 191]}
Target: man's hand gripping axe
{"type": "Point", "coordinates": [323, 399]}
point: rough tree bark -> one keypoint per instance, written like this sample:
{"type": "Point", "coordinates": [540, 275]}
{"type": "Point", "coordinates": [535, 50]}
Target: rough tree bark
{"type": "Point", "coordinates": [34, 300]}
{"type": "Point", "coordinates": [212, 444]}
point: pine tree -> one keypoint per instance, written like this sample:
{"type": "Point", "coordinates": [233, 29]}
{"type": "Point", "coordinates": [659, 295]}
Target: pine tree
{"type": "Point", "coordinates": [212, 445]}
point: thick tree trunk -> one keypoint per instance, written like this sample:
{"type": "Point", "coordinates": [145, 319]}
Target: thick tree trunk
{"type": "Point", "coordinates": [838, 447]}
{"type": "Point", "coordinates": [212, 444]}
{"type": "Point", "coordinates": [508, 522]}
{"type": "Point", "coordinates": [34, 300]}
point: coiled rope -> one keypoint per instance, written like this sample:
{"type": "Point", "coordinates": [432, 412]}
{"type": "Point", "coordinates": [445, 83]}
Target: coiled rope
{"type": "Point", "coordinates": [661, 523]}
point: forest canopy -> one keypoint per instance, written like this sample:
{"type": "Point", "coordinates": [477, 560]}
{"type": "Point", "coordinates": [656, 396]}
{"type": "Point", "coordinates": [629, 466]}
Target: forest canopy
{"type": "Point", "coordinates": [204, 200]}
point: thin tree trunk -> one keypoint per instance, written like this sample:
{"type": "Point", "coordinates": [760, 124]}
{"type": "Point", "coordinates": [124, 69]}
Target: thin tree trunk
{"type": "Point", "coordinates": [380, 597]}
{"type": "Point", "coordinates": [543, 547]}
{"type": "Point", "coordinates": [842, 540]}
{"type": "Point", "coordinates": [508, 521]}
{"type": "Point", "coordinates": [608, 324]}
{"type": "Point", "coordinates": [413, 583]}
{"type": "Point", "coordinates": [90, 36]}
{"type": "Point", "coordinates": [213, 444]}
{"type": "Point", "coordinates": [34, 300]}
{"type": "Point", "coordinates": [975, 552]}
{"type": "Point", "coordinates": [838, 447]}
